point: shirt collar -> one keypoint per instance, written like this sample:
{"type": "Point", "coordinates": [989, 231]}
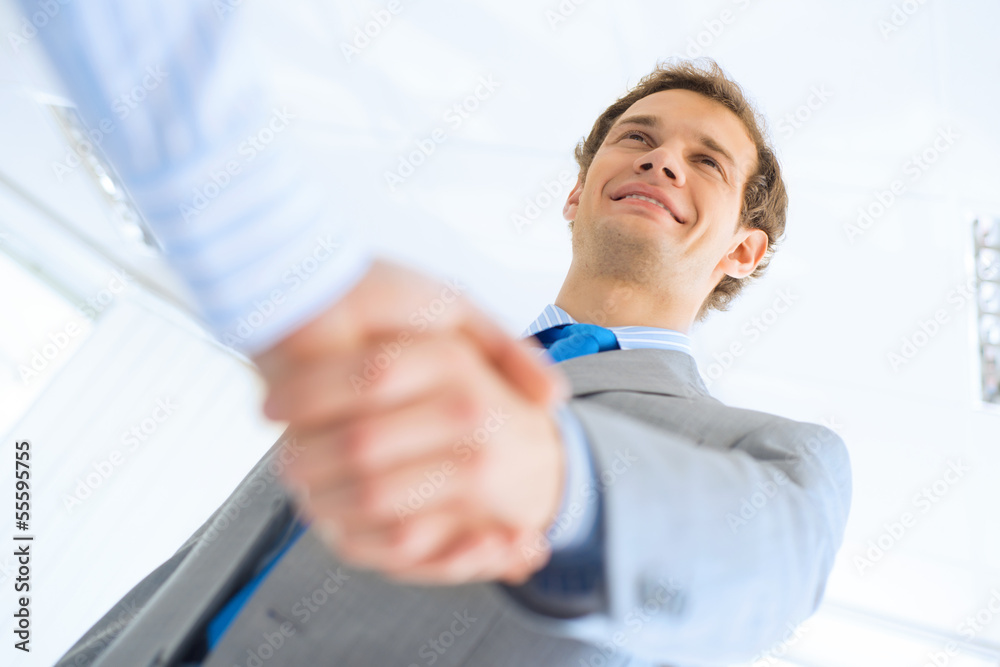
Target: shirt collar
{"type": "Point", "coordinates": [629, 338]}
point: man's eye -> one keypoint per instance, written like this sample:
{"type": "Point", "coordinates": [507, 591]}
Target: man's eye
{"type": "Point", "coordinates": [712, 162]}
{"type": "Point", "coordinates": [639, 135]}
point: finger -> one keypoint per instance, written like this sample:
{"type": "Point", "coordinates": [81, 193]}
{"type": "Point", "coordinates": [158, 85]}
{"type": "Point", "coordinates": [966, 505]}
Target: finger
{"type": "Point", "coordinates": [533, 375]}
{"type": "Point", "coordinates": [377, 442]}
{"type": "Point", "coordinates": [344, 385]}
{"type": "Point", "coordinates": [530, 552]}
{"type": "Point", "coordinates": [382, 302]}
{"type": "Point", "coordinates": [321, 394]}
{"type": "Point", "coordinates": [310, 393]}
{"type": "Point", "coordinates": [394, 495]}
{"type": "Point", "coordinates": [335, 329]}
{"type": "Point", "coordinates": [470, 558]}
{"type": "Point", "coordinates": [397, 546]}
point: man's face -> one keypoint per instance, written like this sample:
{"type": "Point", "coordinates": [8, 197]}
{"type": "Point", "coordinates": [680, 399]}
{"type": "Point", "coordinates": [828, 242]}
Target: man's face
{"type": "Point", "coordinates": [690, 154]}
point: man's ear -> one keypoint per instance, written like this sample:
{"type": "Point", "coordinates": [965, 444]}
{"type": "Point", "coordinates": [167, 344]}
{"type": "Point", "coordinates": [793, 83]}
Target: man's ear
{"type": "Point", "coordinates": [573, 200]}
{"type": "Point", "coordinates": [744, 257]}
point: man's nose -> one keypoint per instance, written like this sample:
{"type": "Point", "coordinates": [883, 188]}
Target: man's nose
{"type": "Point", "coordinates": [665, 163]}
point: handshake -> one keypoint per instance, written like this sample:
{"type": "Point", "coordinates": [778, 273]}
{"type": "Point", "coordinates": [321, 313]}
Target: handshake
{"type": "Point", "coordinates": [430, 449]}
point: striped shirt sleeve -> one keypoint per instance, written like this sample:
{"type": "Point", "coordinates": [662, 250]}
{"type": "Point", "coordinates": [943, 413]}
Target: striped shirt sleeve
{"type": "Point", "coordinates": [208, 156]}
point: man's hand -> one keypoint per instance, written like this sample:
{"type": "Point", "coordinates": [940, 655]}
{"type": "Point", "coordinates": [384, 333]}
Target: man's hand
{"type": "Point", "coordinates": [438, 472]}
{"type": "Point", "coordinates": [391, 299]}
{"type": "Point", "coordinates": [397, 405]}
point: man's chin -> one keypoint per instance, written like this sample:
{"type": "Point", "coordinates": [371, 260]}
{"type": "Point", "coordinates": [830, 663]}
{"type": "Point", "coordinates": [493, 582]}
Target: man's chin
{"type": "Point", "coordinates": [617, 252]}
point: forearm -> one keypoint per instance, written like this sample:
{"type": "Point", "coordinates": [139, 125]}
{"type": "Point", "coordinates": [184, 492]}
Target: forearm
{"type": "Point", "coordinates": [207, 152]}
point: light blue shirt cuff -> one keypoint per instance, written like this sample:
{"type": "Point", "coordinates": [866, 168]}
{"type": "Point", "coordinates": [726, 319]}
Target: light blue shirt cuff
{"type": "Point", "coordinates": [578, 512]}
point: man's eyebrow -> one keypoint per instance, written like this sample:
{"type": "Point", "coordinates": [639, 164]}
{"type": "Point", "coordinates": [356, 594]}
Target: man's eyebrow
{"type": "Point", "coordinates": [650, 121]}
{"type": "Point", "coordinates": [644, 120]}
{"type": "Point", "coordinates": [713, 145]}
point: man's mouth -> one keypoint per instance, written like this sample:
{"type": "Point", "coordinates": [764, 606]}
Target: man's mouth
{"type": "Point", "coordinates": [651, 201]}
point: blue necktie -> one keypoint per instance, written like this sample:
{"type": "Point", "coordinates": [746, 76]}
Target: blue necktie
{"type": "Point", "coordinates": [566, 341]}
{"type": "Point", "coordinates": [220, 622]}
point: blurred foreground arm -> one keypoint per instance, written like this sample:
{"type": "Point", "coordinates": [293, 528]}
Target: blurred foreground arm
{"type": "Point", "coordinates": [174, 93]}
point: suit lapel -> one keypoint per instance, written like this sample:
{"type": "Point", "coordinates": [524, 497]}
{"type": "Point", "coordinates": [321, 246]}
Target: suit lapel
{"type": "Point", "coordinates": [648, 370]}
{"type": "Point", "coordinates": [228, 544]}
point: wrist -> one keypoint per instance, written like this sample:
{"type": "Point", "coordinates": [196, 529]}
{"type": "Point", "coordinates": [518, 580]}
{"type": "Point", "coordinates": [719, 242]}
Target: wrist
{"type": "Point", "coordinates": [575, 516]}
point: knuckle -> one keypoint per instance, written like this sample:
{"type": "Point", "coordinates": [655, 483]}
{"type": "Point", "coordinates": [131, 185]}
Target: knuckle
{"type": "Point", "coordinates": [476, 470]}
{"type": "Point", "coordinates": [359, 446]}
{"type": "Point", "coordinates": [460, 356]}
{"type": "Point", "coordinates": [351, 554]}
{"type": "Point", "coordinates": [371, 374]}
{"type": "Point", "coordinates": [400, 542]}
{"type": "Point", "coordinates": [369, 496]}
{"type": "Point", "coordinates": [466, 407]}
{"type": "Point", "coordinates": [459, 568]}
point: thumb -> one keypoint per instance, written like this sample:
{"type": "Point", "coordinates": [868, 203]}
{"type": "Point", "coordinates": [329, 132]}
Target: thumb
{"type": "Point", "coordinates": [530, 551]}
{"type": "Point", "coordinates": [531, 373]}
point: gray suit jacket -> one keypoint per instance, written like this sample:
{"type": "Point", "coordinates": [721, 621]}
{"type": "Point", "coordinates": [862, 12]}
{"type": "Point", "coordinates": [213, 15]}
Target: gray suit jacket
{"type": "Point", "coordinates": [720, 529]}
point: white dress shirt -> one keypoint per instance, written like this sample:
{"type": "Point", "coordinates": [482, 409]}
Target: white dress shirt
{"type": "Point", "coordinates": [571, 529]}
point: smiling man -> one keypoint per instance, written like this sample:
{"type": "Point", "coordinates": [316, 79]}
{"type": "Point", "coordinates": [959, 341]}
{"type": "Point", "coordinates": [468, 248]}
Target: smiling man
{"type": "Point", "coordinates": [682, 531]}
{"type": "Point", "coordinates": [638, 521]}
{"type": "Point", "coordinates": [658, 209]}
{"type": "Point", "coordinates": [679, 197]}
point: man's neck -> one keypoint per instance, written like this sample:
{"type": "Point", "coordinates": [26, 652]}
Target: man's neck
{"type": "Point", "coordinates": [609, 304]}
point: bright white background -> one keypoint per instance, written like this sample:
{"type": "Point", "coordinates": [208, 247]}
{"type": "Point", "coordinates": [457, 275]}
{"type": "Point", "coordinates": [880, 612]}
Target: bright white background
{"type": "Point", "coordinates": [886, 95]}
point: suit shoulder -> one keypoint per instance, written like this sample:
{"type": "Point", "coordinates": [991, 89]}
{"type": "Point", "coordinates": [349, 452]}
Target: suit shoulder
{"type": "Point", "coordinates": [771, 421]}
{"type": "Point", "coordinates": [783, 434]}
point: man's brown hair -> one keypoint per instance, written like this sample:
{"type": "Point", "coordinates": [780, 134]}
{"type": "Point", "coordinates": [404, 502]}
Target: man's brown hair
{"type": "Point", "coordinates": [764, 198]}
